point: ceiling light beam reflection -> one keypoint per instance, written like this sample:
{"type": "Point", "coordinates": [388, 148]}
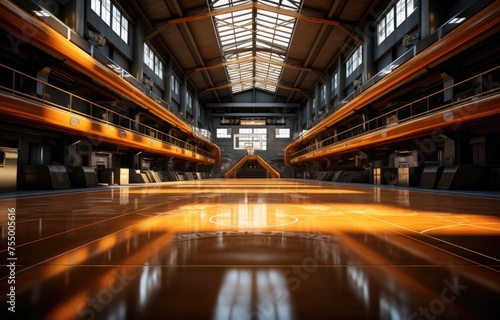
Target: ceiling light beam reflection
{"type": "Point", "coordinates": [250, 190]}
{"type": "Point", "coordinates": [253, 5]}
{"type": "Point", "coordinates": [235, 296]}
{"type": "Point", "coordinates": [253, 80]}
{"type": "Point", "coordinates": [258, 59]}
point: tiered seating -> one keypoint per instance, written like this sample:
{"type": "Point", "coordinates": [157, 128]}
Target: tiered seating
{"type": "Point", "coordinates": [343, 176]}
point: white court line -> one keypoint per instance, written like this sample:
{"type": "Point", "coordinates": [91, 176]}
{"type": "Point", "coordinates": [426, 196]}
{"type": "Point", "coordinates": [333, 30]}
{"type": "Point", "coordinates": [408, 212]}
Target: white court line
{"type": "Point", "coordinates": [474, 225]}
{"type": "Point", "coordinates": [440, 240]}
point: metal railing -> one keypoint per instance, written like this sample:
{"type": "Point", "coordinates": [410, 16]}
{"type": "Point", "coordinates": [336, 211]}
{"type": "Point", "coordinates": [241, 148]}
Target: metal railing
{"type": "Point", "coordinates": [20, 84]}
{"type": "Point", "coordinates": [446, 28]}
{"type": "Point", "coordinates": [478, 86]}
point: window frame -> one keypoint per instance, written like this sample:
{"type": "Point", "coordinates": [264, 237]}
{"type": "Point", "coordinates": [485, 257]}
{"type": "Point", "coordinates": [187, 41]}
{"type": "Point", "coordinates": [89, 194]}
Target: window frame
{"type": "Point", "coordinates": [220, 135]}
{"type": "Point", "coordinates": [112, 16]}
{"type": "Point", "coordinates": [354, 61]}
{"type": "Point", "coordinates": [279, 133]}
{"type": "Point", "coordinates": [152, 61]}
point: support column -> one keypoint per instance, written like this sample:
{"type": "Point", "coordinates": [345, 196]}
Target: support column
{"type": "Point", "coordinates": [317, 99]}
{"type": "Point", "coordinates": [299, 114]}
{"type": "Point", "coordinates": [328, 92]}
{"type": "Point", "coordinates": [369, 69]}
{"type": "Point", "coordinates": [448, 81]}
{"type": "Point", "coordinates": [167, 94]}
{"type": "Point", "coordinates": [341, 78]}
{"type": "Point", "coordinates": [137, 68]}
{"type": "Point", "coordinates": [309, 111]}
{"type": "Point", "coordinates": [42, 75]}
{"type": "Point", "coordinates": [184, 94]}
{"type": "Point", "coordinates": [424, 18]}
{"type": "Point", "coordinates": [80, 18]}
{"type": "Point", "coordinates": [366, 117]}
{"type": "Point", "coordinates": [196, 111]}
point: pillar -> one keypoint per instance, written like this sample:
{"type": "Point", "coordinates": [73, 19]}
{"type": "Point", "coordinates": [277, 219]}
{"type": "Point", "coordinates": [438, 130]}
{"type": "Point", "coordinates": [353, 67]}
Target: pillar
{"type": "Point", "coordinates": [80, 18]}
{"type": "Point", "coordinates": [328, 92]}
{"type": "Point", "coordinates": [196, 111]}
{"type": "Point", "coordinates": [309, 111]}
{"type": "Point", "coordinates": [369, 69]}
{"type": "Point", "coordinates": [167, 94]}
{"type": "Point", "coordinates": [184, 94]}
{"type": "Point", "coordinates": [341, 78]}
{"type": "Point", "coordinates": [137, 67]}
{"type": "Point", "coordinates": [424, 18]}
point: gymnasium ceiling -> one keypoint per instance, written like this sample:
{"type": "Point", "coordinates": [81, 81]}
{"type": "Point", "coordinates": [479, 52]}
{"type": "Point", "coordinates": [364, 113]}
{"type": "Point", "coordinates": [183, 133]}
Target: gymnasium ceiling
{"type": "Point", "coordinates": [230, 47]}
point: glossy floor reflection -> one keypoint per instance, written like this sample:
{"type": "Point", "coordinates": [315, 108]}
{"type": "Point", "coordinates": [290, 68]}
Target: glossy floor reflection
{"type": "Point", "coordinates": [253, 249]}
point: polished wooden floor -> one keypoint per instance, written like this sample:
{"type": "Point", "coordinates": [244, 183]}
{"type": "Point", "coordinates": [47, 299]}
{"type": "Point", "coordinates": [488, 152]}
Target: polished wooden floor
{"type": "Point", "coordinates": [252, 249]}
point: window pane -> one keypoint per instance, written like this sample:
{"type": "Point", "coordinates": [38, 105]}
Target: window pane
{"type": "Point", "coordinates": [381, 31]}
{"type": "Point", "coordinates": [124, 31]}
{"type": "Point", "coordinates": [106, 11]}
{"type": "Point", "coordinates": [282, 132]}
{"type": "Point", "coordinates": [160, 68]}
{"type": "Point", "coordinates": [389, 22]}
{"type": "Point", "coordinates": [400, 12]}
{"type": "Point", "coordinates": [334, 84]}
{"type": "Point", "coordinates": [409, 7]}
{"type": "Point", "coordinates": [262, 131]}
{"type": "Point", "coordinates": [95, 5]}
{"type": "Point", "coordinates": [116, 20]}
{"type": "Point", "coordinates": [223, 133]}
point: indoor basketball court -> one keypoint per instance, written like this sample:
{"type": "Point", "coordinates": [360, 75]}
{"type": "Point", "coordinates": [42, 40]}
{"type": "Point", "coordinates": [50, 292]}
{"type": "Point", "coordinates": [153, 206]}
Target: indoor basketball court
{"type": "Point", "coordinates": [255, 249]}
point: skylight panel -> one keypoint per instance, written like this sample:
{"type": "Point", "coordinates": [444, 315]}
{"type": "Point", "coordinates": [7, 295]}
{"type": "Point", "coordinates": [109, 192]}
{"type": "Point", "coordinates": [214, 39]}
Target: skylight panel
{"type": "Point", "coordinates": [269, 32]}
{"type": "Point", "coordinates": [285, 4]}
{"type": "Point", "coordinates": [227, 3]}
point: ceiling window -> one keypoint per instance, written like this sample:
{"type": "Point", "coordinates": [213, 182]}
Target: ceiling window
{"type": "Point", "coordinates": [103, 9]}
{"type": "Point", "coordinates": [176, 86]}
{"type": "Point", "coordinates": [223, 133]}
{"type": "Point", "coordinates": [354, 61]}
{"type": "Point", "coordinates": [120, 24]}
{"type": "Point", "coordinates": [386, 26]}
{"type": "Point", "coordinates": [255, 137]}
{"type": "Point", "coordinates": [152, 61]}
{"type": "Point", "coordinates": [404, 8]}
{"type": "Point", "coordinates": [112, 16]}
{"type": "Point", "coordinates": [322, 93]}
{"type": "Point", "coordinates": [258, 67]}
{"type": "Point", "coordinates": [282, 133]}
{"type": "Point", "coordinates": [335, 82]}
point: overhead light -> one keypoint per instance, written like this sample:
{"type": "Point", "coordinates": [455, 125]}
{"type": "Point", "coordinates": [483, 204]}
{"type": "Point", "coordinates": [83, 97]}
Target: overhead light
{"type": "Point", "coordinates": [115, 68]}
{"type": "Point", "coordinates": [389, 69]}
{"type": "Point", "coordinates": [253, 122]}
{"type": "Point", "coordinates": [76, 142]}
{"type": "Point", "coordinates": [74, 122]}
{"type": "Point", "coordinates": [456, 20]}
{"type": "Point", "coordinates": [449, 116]}
{"type": "Point", "coordinates": [41, 13]}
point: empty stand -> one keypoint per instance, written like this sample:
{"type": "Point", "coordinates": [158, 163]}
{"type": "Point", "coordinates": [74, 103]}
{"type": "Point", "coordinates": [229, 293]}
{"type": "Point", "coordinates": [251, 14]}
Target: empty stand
{"type": "Point", "coordinates": [33, 177]}
{"type": "Point", "coordinates": [431, 176]}
{"type": "Point", "coordinates": [82, 177]}
{"type": "Point", "coordinates": [462, 177]}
